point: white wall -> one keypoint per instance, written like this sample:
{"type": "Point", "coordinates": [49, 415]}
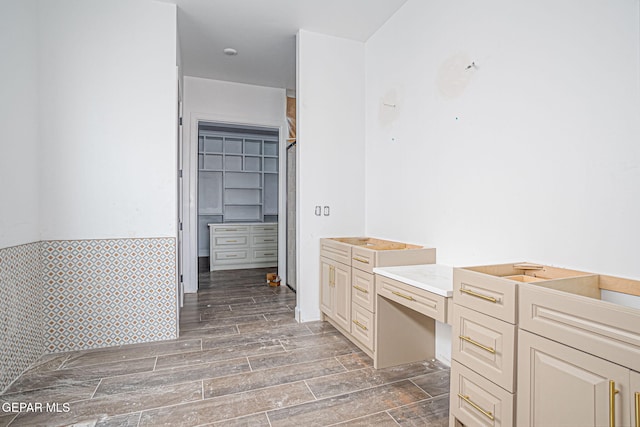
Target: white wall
{"type": "Point", "coordinates": [108, 119]}
{"type": "Point", "coordinates": [218, 101]}
{"type": "Point", "coordinates": [532, 155]}
{"type": "Point", "coordinates": [330, 163]}
{"type": "Point", "coordinates": [18, 124]}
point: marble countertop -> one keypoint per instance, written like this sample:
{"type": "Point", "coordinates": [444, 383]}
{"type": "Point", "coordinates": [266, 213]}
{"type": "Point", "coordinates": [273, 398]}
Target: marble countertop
{"type": "Point", "coordinates": [435, 278]}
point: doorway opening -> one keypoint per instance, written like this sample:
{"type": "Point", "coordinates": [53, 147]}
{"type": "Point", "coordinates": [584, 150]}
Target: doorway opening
{"type": "Point", "coordinates": [237, 196]}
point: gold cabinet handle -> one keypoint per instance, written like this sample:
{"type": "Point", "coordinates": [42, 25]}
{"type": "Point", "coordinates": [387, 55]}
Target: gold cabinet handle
{"type": "Point", "coordinates": [364, 260]}
{"type": "Point", "coordinates": [612, 403]}
{"type": "Point", "coordinates": [476, 407]}
{"type": "Point", "coordinates": [269, 254]}
{"type": "Point", "coordinates": [231, 256]}
{"type": "Point", "coordinates": [232, 241]}
{"type": "Point", "coordinates": [361, 289]}
{"type": "Point", "coordinates": [637, 409]}
{"type": "Point", "coordinates": [269, 240]}
{"type": "Point", "coordinates": [477, 295]}
{"type": "Point", "coordinates": [332, 275]}
{"type": "Point", "coordinates": [410, 298]}
{"type": "Point", "coordinates": [477, 344]}
{"type": "Point", "coordinates": [360, 325]}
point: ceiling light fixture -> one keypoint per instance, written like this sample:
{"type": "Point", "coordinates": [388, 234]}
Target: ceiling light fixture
{"type": "Point", "coordinates": [230, 51]}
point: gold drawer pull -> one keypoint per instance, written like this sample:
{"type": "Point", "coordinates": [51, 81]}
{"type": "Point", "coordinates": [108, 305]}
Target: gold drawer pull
{"type": "Point", "coordinates": [637, 409]}
{"type": "Point", "coordinates": [227, 229]}
{"type": "Point", "coordinates": [230, 256]}
{"type": "Point", "coordinates": [364, 260]}
{"type": "Point", "coordinates": [477, 344]}
{"type": "Point", "coordinates": [410, 298]}
{"type": "Point", "coordinates": [272, 254]}
{"type": "Point", "coordinates": [332, 275]}
{"type": "Point", "coordinates": [612, 403]}
{"type": "Point", "coordinates": [475, 294]}
{"type": "Point", "coordinates": [476, 407]}
{"type": "Point", "coordinates": [232, 241]}
{"type": "Point", "coordinates": [361, 289]}
{"type": "Point", "coordinates": [360, 325]}
{"type": "Point", "coordinates": [269, 240]}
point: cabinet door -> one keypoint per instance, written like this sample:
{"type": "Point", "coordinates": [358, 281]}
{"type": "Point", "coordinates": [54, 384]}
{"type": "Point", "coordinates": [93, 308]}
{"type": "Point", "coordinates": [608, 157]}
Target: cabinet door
{"type": "Point", "coordinates": [342, 295]}
{"type": "Point", "coordinates": [560, 386]}
{"type": "Point", "coordinates": [326, 286]}
{"type": "Point", "coordinates": [634, 392]}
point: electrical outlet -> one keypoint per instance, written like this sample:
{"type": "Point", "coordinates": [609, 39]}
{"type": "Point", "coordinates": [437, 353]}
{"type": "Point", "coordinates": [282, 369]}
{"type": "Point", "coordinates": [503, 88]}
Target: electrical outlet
{"type": "Point", "coordinates": [318, 210]}
{"type": "Point", "coordinates": [326, 211]}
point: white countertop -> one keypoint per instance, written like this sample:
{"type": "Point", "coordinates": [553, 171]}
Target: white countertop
{"type": "Point", "coordinates": [435, 278]}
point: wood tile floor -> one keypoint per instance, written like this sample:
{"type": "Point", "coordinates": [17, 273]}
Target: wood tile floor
{"type": "Point", "coordinates": [241, 360]}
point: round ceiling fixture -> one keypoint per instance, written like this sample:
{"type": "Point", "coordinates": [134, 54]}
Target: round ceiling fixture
{"type": "Point", "coordinates": [230, 51]}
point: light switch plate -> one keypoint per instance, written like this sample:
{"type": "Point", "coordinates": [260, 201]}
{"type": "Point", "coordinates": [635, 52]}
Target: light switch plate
{"type": "Point", "coordinates": [318, 210]}
{"type": "Point", "coordinates": [326, 211]}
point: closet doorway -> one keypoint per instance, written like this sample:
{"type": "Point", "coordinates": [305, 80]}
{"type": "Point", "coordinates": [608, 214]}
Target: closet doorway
{"type": "Point", "coordinates": [238, 196]}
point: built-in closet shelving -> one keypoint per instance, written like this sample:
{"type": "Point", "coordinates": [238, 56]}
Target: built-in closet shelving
{"type": "Point", "coordinates": [237, 180]}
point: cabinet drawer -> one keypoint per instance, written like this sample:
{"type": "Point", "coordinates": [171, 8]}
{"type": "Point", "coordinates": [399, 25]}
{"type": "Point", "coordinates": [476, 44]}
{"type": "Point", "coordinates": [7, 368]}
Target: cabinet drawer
{"type": "Point", "coordinates": [224, 229]}
{"type": "Point", "coordinates": [264, 240]}
{"type": "Point", "coordinates": [362, 326]}
{"type": "Point", "coordinates": [363, 259]}
{"type": "Point", "coordinates": [233, 240]}
{"type": "Point", "coordinates": [267, 228]}
{"type": "Point", "coordinates": [230, 257]}
{"type": "Point", "coordinates": [598, 327]}
{"type": "Point", "coordinates": [363, 289]}
{"type": "Point", "coordinates": [485, 293]}
{"type": "Point", "coordinates": [336, 251]}
{"type": "Point", "coordinates": [417, 299]}
{"type": "Point", "coordinates": [264, 255]}
{"type": "Point", "coordinates": [476, 401]}
{"type": "Point", "coordinates": [486, 345]}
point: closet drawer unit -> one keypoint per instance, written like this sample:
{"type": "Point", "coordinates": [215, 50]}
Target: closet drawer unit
{"type": "Point", "coordinates": [363, 290]}
{"type": "Point", "coordinates": [427, 303]}
{"type": "Point", "coordinates": [264, 255]}
{"type": "Point", "coordinates": [336, 251]}
{"type": "Point", "coordinates": [226, 229]}
{"type": "Point", "coordinates": [230, 257]}
{"type": "Point", "coordinates": [362, 325]}
{"type": "Point", "coordinates": [264, 229]}
{"type": "Point", "coordinates": [486, 345]}
{"type": "Point", "coordinates": [230, 241]}
{"type": "Point", "coordinates": [264, 240]}
{"type": "Point", "coordinates": [487, 294]}
{"type": "Point", "coordinates": [363, 259]}
{"type": "Point", "coordinates": [476, 401]}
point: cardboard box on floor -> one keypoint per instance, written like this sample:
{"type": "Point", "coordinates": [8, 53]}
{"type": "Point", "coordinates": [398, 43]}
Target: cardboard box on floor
{"type": "Point", "coordinates": [273, 279]}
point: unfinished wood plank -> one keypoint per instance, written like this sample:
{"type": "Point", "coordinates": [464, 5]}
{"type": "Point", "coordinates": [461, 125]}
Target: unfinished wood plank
{"type": "Point", "coordinates": [587, 286]}
{"type": "Point", "coordinates": [528, 266]}
{"type": "Point", "coordinates": [618, 284]}
{"type": "Point", "coordinates": [557, 273]}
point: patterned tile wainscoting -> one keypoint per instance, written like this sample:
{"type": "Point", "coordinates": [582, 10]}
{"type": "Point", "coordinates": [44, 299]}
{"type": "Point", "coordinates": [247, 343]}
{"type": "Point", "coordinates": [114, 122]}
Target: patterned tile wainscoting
{"type": "Point", "coordinates": [21, 315]}
{"type": "Point", "coordinates": [100, 293]}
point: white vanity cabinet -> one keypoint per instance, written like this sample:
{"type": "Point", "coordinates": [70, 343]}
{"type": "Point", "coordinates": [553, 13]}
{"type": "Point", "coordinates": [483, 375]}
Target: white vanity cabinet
{"type": "Point", "coordinates": [536, 346]}
{"type": "Point", "coordinates": [578, 360]}
{"type": "Point", "coordinates": [347, 282]}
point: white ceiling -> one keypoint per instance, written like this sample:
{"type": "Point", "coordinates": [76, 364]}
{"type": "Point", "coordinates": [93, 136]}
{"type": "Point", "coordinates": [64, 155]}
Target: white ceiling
{"type": "Point", "coordinates": [263, 32]}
